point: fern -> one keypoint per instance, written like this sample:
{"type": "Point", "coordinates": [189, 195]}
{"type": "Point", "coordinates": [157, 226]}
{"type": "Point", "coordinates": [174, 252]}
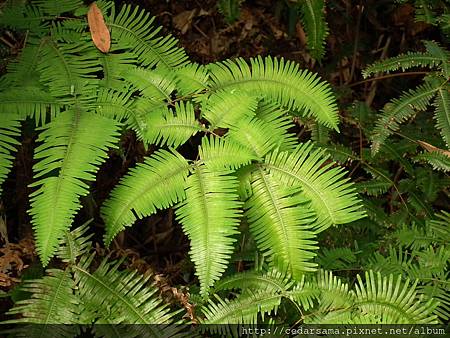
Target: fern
{"type": "Point", "coordinates": [315, 25]}
{"type": "Point", "coordinates": [9, 131]}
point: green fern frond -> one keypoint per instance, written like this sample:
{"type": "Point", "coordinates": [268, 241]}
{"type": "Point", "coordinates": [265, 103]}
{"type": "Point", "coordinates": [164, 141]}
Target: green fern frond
{"type": "Point", "coordinates": [210, 216]}
{"type": "Point", "coordinates": [441, 54]}
{"type": "Point", "coordinates": [280, 81]}
{"type": "Point", "coordinates": [424, 11]}
{"type": "Point", "coordinates": [74, 244]}
{"type": "Point", "coordinates": [219, 153]}
{"type": "Point", "coordinates": [442, 113]}
{"type": "Point", "coordinates": [336, 258]}
{"type": "Point", "coordinates": [280, 221]}
{"type": "Point", "coordinates": [53, 300]}
{"type": "Point", "coordinates": [24, 17]}
{"type": "Point", "coordinates": [402, 62]}
{"type": "Point", "coordinates": [134, 29]}
{"type": "Point", "coordinates": [154, 84]}
{"type": "Point", "coordinates": [169, 127]}
{"type": "Point", "coordinates": [313, 15]}
{"type": "Point", "coordinates": [399, 110]}
{"type": "Point", "coordinates": [191, 78]}
{"type": "Point", "coordinates": [158, 183]}
{"type": "Point", "coordinates": [253, 134]}
{"type": "Point", "coordinates": [374, 187]}
{"type": "Point", "coordinates": [230, 9]}
{"type": "Point", "coordinates": [332, 198]}
{"type": "Point", "coordinates": [74, 145]}
{"type": "Point", "coordinates": [393, 301]}
{"type": "Point", "coordinates": [53, 8]}
{"type": "Point", "coordinates": [437, 160]}
{"type": "Point", "coordinates": [30, 101]}
{"type": "Point", "coordinates": [223, 110]}
{"type": "Point", "coordinates": [119, 296]}
{"type": "Point", "coordinates": [114, 66]}
{"type": "Point", "coordinates": [244, 309]}
{"type": "Point", "coordinates": [113, 104]}
{"type": "Point", "coordinates": [9, 131]}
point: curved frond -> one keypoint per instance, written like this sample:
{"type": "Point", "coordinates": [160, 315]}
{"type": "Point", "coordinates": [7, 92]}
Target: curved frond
{"type": "Point", "coordinates": [280, 81]}
{"type": "Point", "coordinates": [399, 110]}
{"type": "Point", "coordinates": [134, 29]}
{"type": "Point", "coordinates": [436, 159]}
{"type": "Point", "coordinates": [171, 127]}
{"type": "Point", "coordinates": [155, 84]}
{"type": "Point", "coordinates": [53, 300]}
{"type": "Point", "coordinates": [442, 113]}
{"type": "Point", "coordinates": [313, 14]}
{"type": "Point", "coordinates": [74, 244]}
{"type": "Point", "coordinates": [113, 104]}
{"type": "Point", "coordinates": [443, 55]}
{"type": "Point", "coordinates": [210, 216]}
{"type": "Point", "coordinates": [158, 183]}
{"type": "Point", "coordinates": [9, 131]}
{"type": "Point", "coordinates": [74, 145]}
{"type": "Point", "coordinates": [191, 78]}
{"type": "Point", "coordinates": [281, 223]}
{"type": "Point", "coordinates": [119, 296]}
{"type": "Point", "coordinates": [219, 153]}
{"type": "Point", "coordinates": [223, 110]}
{"type": "Point", "coordinates": [393, 302]}
{"type": "Point", "coordinates": [332, 198]}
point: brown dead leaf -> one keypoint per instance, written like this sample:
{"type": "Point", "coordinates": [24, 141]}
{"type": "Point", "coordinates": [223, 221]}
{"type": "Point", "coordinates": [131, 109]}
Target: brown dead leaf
{"type": "Point", "coordinates": [430, 148]}
{"type": "Point", "coordinates": [99, 31]}
{"type": "Point", "coordinates": [403, 14]}
{"type": "Point", "coordinates": [183, 20]}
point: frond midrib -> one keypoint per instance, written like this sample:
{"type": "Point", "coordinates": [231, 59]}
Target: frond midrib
{"type": "Point", "coordinates": [306, 183]}
{"type": "Point", "coordinates": [113, 292]}
{"type": "Point", "coordinates": [53, 298]}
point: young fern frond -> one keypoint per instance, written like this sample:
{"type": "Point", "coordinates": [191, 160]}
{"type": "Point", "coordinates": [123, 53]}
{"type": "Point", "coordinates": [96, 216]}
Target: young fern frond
{"type": "Point", "coordinates": [134, 29]}
{"type": "Point", "coordinates": [158, 183]}
{"type": "Point", "coordinates": [9, 131]}
{"type": "Point", "coordinates": [278, 80]}
{"type": "Point", "coordinates": [332, 198]}
{"type": "Point", "coordinates": [74, 145]}
{"type": "Point", "coordinates": [313, 15]}
{"type": "Point", "coordinates": [280, 222]}
{"type": "Point", "coordinates": [436, 159]}
{"type": "Point", "coordinates": [210, 216]}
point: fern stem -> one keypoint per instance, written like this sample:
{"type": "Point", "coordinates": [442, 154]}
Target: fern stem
{"type": "Point", "coordinates": [386, 77]}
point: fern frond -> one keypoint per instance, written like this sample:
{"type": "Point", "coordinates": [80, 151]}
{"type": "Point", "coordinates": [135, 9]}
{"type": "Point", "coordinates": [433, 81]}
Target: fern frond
{"type": "Point", "coordinates": [54, 8]}
{"type": "Point", "coordinates": [119, 296]}
{"type": "Point", "coordinates": [74, 145]}
{"type": "Point", "coordinates": [336, 258]}
{"type": "Point", "coordinates": [442, 113]}
{"type": "Point", "coordinates": [74, 244]}
{"type": "Point", "coordinates": [169, 127]}
{"type": "Point", "coordinates": [244, 309]}
{"type": "Point", "coordinates": [9, 131]}
{"type": "Point", "coordinates": [53, 300]}
{"type": "Point", "coordinates": [402, 62]}
{"type": "Point", "coordinates": [436, 159]}
{"type": "Point", "coordinates": [210, 215]}
{"type": "Point", "coordinates": [223, 110]}
{"type": "Point", "coordinates": [191, 78]}
{"type": "Point", "coordinates": [280, 81]}
{"type": "Point", "coordinates": [438, 52]}
{"type": "Point", "coordinates": [230, 9]}
{"type": "Point", "coordinates": [218, 153]}
{"type": "Point", "coordinates": [24, 17]}
{"type": "Point", "coordinates": [399, 110]}
{"type": "Point", "coordinates": [374, 187]}
{"type": "Point", "coordinates": [30, 101]}
{"type": "Point", "coordinates": [280, 222]}
{"type": "Point", "coordinates": [113, 104]}
{"type": "Point", "coordinates": [332, 198]}
{"type": "Point", "coordinates": [253, 134]}
{"type": "Point", "coordinates": [393, 302]}
{"type": "Point", "coordinates": [134, 29]}
{"type": "Point", "coordinates": [154, 84]}
{"type": "Point", "coordinates": [114, 66]}
{"type": "Point", "coordinates": [158, 183]}
{"type": "Point", "coordinates": [313, 14]}
{"type": "Point", "coordinates": [273, 280]}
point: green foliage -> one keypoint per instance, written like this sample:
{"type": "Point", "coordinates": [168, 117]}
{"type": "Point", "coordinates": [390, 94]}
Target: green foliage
{"type": "Point", "coordinates": [230, 9]}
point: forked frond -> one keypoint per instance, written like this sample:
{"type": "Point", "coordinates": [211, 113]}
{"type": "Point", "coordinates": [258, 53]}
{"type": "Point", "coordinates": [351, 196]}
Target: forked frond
{"type": "Point", "coordinates": [9, 131]}
{"type": "Point", "coordinates": [332, 198]}
{"type": "Point", "coordinates": [73, 146]}
{"type": "Point", "coordinates": [220, 153]}
{"type": "Point", "coordinates": [210, 216]}
{"type": "Point", "coordinates": [280, 81]}
{"type": "Point", "coordinates": [134, 29]}
{"type": "Point", "coordinates": [158, 183]}
{"type": "Point", "coordinates": [281, 223]}
{"type": "Point", "coordinates": [313, 15]}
